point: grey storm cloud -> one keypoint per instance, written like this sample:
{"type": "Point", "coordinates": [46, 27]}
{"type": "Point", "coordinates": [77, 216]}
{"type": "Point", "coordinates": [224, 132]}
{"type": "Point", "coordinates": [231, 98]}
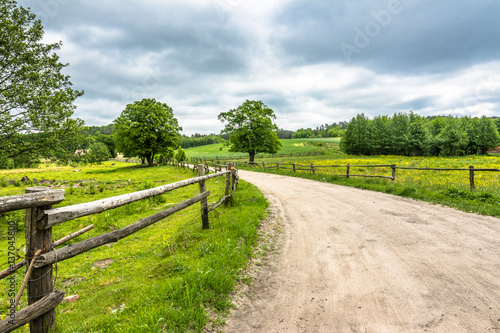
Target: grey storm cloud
{"type": "Point", "coordinates": [311, 61]}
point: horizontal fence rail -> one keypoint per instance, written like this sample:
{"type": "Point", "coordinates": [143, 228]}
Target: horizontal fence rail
{"type": "Point", "coordinates": [59, 215]}
{"type": "Point", "coordinates": [40, 217]}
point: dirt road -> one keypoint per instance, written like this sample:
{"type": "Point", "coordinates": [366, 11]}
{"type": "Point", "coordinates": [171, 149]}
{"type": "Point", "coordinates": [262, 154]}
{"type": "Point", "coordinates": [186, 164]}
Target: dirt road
{"type": "Point", "coordinates": [359, 261]}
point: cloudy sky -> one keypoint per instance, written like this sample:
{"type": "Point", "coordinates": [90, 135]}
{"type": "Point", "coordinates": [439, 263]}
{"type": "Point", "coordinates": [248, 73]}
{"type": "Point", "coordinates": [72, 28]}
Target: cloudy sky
{"type": "Point", "coordinates": [311, 61]}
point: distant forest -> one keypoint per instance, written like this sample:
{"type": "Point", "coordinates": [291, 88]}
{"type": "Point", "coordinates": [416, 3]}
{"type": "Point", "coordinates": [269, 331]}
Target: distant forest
{"type": "Point", "coordinates": [412, 135]}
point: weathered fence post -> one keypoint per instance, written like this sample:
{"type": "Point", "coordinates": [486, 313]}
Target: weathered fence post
{"type": "Point", "coordinates": [203, 202]}
{"type": "Point", "coordinates": [393, 167]}
{"type": "Point", "coordinates": [277, 165]}
{"type": "Point", "coordinates": [347, 171]}
{"type": "Point", "coordinates": [312, 169]}
{"type": "Point", "coordinates": [228, 180]}
{"type": "Point", "coordinates": [471, 178]}
{"type": "Point", "coordinates": [40, 283]}
{"type": "Point", "coordinates": [263, 165]}
{"type": "Point", "coordinates": [293, 167]}
{"type": "Point", "coordinates": [234, 179]}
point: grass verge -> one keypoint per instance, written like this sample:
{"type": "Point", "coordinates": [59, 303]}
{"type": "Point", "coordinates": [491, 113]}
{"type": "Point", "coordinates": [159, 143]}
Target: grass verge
{"type": "Point", "coordinates": [170, 277]}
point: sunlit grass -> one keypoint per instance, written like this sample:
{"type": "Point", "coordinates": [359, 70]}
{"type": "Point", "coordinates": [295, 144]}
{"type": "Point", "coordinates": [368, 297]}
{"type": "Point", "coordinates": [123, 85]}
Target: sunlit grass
{"type": "Point", "coordinates": [290, 146]}
{"type": "Point", "coordinates": [450, 188]}
{"type": "Point", "coordinates": [167, 277]}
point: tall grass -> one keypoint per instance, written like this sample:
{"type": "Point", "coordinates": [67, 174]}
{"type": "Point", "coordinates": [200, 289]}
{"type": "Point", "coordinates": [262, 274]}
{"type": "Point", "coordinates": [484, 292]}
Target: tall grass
{"type": "Point", "coordinates": [172, 276]}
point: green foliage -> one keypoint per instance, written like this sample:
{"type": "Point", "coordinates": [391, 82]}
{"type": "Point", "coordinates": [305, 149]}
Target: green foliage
{"type": "Point", "coordinates": [36, 99]}
{"type": "Point", "coordinates": [356, 137]}
{"type": "Point", "coordinates": [303, 133]}
{"type": "Point", "coordinates": [166, 155]}
{"type": "Point", "coordinates": [197, 140]}
{"type": "Point", "coordinates": [98, 152]}
{"type": "Point", "coordinates": [180, 155]}
{"type": "Point", "coordinates": [413, 135]}
{"type": "Point", "coordinates": [285, 134]}
{"type": "Point", "coordinates": [146, 128]}
{"type": "Point", "coordinates": [251, 129]}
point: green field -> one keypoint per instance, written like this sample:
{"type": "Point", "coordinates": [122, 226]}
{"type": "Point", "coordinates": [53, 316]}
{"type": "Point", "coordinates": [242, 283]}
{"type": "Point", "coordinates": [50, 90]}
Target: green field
{"type": "Point", "coordinates": [290, 146]}
{"type": "Point", "coordinates": [451, 188]}
{"type": "Point", "coordinates": [172, 276]}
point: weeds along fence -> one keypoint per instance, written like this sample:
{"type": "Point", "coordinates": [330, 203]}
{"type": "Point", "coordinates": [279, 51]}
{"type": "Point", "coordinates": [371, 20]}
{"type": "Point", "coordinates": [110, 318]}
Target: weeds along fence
{"type": "Point", "coordinates": [41, 254]}
{"type": "Point", "coordinates": [349, 168]}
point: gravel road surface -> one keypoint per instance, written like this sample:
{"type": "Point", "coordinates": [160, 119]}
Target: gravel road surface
{"type": "Point", "coordinates": [351, 260]}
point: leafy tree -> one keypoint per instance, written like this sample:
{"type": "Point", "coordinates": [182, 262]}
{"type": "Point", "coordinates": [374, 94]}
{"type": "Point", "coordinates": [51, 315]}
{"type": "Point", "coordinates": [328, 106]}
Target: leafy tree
{"type": "Point", "coordinates": [98, 152]}
{"type": "Point", "coordinates": [166, 155]}
{"type": "Point", "coordinates": [355, 140]}
{"type": "Point", "coordinates": [490, 138]}
{"type": "Point", "coordinates": [398, 130]}
{"type": "Point", "coordinates": [252, 129]}
{"type": "Point", "coordinates": [36, 99]}
{"type": "Point", "coordinates": [146, 128]}
{"type": "Point", "coordinates": [379, 135]}
{"type": "Point", "coordinates": [497, 123]}
{"type": "Point", "coordinates": [108, 141]}
{"type": "Point", "coordinates": [417, 138]}
{"type": "Point", "coordinates": [453, 138]}
{"type": "Point", "coordinates": [180, 155]}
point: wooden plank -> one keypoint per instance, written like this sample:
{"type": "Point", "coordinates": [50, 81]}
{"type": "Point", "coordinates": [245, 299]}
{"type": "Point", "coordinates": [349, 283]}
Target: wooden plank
{"type": "Point", "coordinates": [35, 310]}
{"type": "Point", "coordinates": [59, 215]}
{"type": "Point", "coordinates": [29, 200]}
{"type": "Point", "coordinates": [113, 236]}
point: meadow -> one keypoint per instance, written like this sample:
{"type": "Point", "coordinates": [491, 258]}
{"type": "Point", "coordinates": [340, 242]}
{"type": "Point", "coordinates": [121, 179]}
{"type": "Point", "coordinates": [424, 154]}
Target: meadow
{"type": "Point", "coordinates": [449, 188]}
{"type": "Point", "coordinates": [172, 276]}
{"type": "Point", "coordinates": [290, 147]}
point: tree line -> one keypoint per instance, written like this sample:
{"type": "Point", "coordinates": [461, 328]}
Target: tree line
{"type": "Point", "coordinates": [412, 135]}
{"type": "Point", "coordinates": [334, 130]}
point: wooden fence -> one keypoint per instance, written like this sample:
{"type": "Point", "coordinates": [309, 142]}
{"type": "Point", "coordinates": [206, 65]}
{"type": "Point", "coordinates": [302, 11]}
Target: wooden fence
{"type": "Point", "coordinates": [225, 159]}
{"type": "Point", "coordinates": [41, 254]}
{"type": "Point", "coordinates": [313, 168]}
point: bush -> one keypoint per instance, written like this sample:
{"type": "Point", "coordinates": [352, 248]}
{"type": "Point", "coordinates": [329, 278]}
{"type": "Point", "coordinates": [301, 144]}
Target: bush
{"type": "Point", "coordinates": [180, 155]}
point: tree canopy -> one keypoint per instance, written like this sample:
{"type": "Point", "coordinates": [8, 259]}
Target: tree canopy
{"type": "Point", "coordinates": [146, 128]}
{"type": "Point", "coordinates": [251, 128]}
{"type": "Point", "coordinates": [413, 135]}
{"type": "Point", "coordinates": [36, 98]}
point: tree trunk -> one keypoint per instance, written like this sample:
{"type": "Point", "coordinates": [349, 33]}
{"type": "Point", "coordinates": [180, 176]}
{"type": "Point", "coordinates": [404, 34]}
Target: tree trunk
{"type": "Point", "coordinates": [251, 154]}
{"type": "Point", "coordinates": [150, 160]}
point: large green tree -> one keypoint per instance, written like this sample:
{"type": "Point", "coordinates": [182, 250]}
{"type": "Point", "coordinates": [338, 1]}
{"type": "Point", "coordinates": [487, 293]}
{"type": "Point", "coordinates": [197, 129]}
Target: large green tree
{"type": "Point", "coordinates": [355, 140]}
{"type": "Point", "coordinates": [146, 128]}
{"type": "Point", "coordinates": [252, 129]}
{"type": "Point", "coordinates": [36, 98]}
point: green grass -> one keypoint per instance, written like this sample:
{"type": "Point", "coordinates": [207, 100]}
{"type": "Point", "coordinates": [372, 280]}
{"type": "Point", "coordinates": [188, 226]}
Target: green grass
{"type": "Point", "coordinates": [172, 276]}
{"type": "Point", "coordinates": [450, 188]}
{"type": "Point", "coordinates": [290, 146]}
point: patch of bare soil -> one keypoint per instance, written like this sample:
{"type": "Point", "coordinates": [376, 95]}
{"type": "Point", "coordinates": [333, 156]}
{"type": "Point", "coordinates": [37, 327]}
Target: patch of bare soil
{"type": "Point", "coordinates": [351, 260]}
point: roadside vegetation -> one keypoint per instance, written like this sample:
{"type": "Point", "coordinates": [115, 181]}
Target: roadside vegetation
{"type": "Point", "coordinates": [450, 188]}
{"type": "Point", "coordinates": [172, 276]}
